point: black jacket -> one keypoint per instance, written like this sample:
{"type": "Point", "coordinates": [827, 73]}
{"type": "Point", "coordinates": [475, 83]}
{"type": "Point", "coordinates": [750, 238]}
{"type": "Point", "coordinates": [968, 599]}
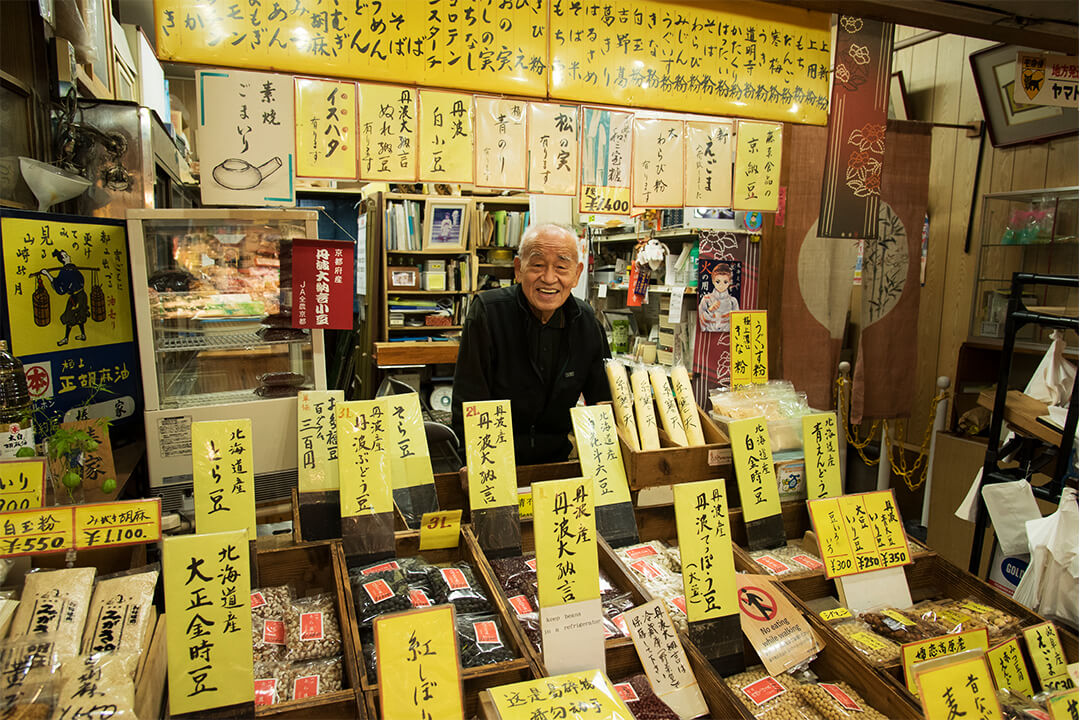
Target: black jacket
{"type": "Point", "coordinates": [496, 361]}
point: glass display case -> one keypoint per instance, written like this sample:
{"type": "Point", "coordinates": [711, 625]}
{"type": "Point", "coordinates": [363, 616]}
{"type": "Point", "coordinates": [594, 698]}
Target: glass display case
{"type": "Point", "coordinates": [215, 333]}
{"type": "Point", "coordinates": [1025, 231]}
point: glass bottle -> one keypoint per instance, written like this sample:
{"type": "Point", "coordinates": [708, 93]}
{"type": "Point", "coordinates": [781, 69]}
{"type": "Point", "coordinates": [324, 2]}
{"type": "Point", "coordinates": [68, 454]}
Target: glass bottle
{"type": "Point", "coordinates": [16, 410]}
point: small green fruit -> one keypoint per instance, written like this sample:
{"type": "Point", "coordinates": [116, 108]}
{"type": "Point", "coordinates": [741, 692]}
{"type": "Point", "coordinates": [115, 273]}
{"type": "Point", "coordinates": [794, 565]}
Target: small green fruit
{"type": "Point", "coordinates": [25, 451]}
{"type": "Point", "coordinates": [109, 485]}
{"type": "Point", "coordinates": [71, 480]}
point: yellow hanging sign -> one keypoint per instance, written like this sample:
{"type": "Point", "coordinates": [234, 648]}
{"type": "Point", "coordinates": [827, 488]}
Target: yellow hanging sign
{"type": "Point", "coordinates": [1008, 667]}
{"type": "Point", "coordinates": [749, 347]}
{"type": "Point", "coordinates": [34, 532]}
{"type": "Point", "coordinates": [599, 453]}
{"type": "Point", "coordinates": [446, 137]}
{"type": "Point", "coordinates": [440, 529]}
{"type": "Point", "coordinates": [388, 119]}
{"type": "Point", "coordinates": [208, 620]}
{"type": "Point", "coordinates": [364, 469]}
{"type": "Point", "coordinates": [224, 476]}
{"type": "Point", "coordinates": [406, 445]}
{"type": "Point", "coordinates": [657, 177]}
{"type": "Point", "coordinates": [564, 526]}
{"type": "Point", "coordinates": [605, 161]}
{"type": "Point", "coordinates": [938, 647]}
{"type": "Point", "coordinates": [489, 454]}
{"type": "Point", "coordinates": [325, 121]}
{"type": "Point", "coordinates": [708, 570]}
{"type": "Point", "coordinates": [316, 439]}
{"type": "Point", "coordinates": [758, 147]}
{"type": "Point", "coordinates": [553, 149]}
{"type": "Point", "coordinates": [754, 469]}
{"type": "Point", "coordinates": [585, 695]}
{"type": "Point", "coordinates": [22, 484]}
{"type": "Point", "coordinates": [821, 449]}
{"type": "Point", "coordinates": [859, 533]}
{"type": "Point", "coordinates": [709, 155]}
{"type": "Point", "coordinates": [960, 689]}
{"type": "Point", "coordinates": [114, 524]}
{"type": "Point", "coordinates": [501, 151]}
{"type": "Point", "coordinates": [1044, 647]}
{"type": "Point", "coordinates": [418, 658]}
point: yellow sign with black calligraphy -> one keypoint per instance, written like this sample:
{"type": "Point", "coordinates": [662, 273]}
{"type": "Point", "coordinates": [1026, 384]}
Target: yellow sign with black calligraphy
{"type": "Point", "coordinates": [446, 137]}
{"type": "Point", "coordinates": [708, 569]}
{"type": "Point", "coordinates": [1008, 667]}
{"type": "Point", "coordinates": [749, 347]}
{"type": "Point", "coordinates": [564, 526]}
{"type": "Point", "coordinates": [859, 533]}
{"type": "Point", "coordinates": [223, 476]}
{"type": "Point", "coordinates": [758, 147]}
{"type": "Point", "coordinates": [657, 177]}
{"type": "Point", "coordinates": [960, 689]}
{"type": "Point", "coordinates": [418, 657]}
{"type": "Point", "coordinates": [553, 148]}
{"type": "Point", "coordinates": [605, 161]}
{"type": "Point", "coordinates": [489, 454]}
{"type": "Point", "coordinates": [440, 529]}
{"type": "Point", "coordinates": [208, 620]}
{"type": "Point", "coordinates": [325, 118]}
{"type": "Point", "coordinates": [364, 468]}
{"type": "Point", "coordinates": [754, 469]}
{"type": "Point", "coordinates": [1063, 705]}
{"type": "Point", "coordinates": [406, 442]}
{"type": "Point", "coordinates": [114, 524]}
{"type": "Point", "coordinates": [500, 152]}
{"type": "Point", "coordinates": [35, 532]}
{"type": "Point", "coordinates": [725, 58]}
{"type": "Point", "coordinates": [582, 695]}
{"type": "Point", "coordinates": [599, 452]}
{"type": "Point", "coordinates": [709, 157]}
{"type": "Point", "coordinates": [1048, 657]}
{"type": "Point", "coordinates": [22, 484]}
{"type": "Point", "coordinates": [938, 647]}
{"type": "Point", "coordinates": [835, 614]}
{"type": "Point", "coordinates": [821, 450]}
{"type": "Point", "coordinates": [466, 44]}
{"type": "Point", "coordinates": [388, 118]}
{"type": "Point", "coordinates": [316, 439]}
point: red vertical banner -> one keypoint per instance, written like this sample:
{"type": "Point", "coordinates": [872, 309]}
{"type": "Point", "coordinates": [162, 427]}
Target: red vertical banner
{"type": "Point", "coordinates": [322, 284]}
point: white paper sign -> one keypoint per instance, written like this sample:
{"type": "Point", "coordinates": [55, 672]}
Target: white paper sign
{"type": "Point", "coordinates": [664, 660]}
{"type": "Point", "coordinates": [674, 313]}
{"type": "Point", "coordinates": [573, 637]}
{"type": "Point", "coordinates": [245, 138]}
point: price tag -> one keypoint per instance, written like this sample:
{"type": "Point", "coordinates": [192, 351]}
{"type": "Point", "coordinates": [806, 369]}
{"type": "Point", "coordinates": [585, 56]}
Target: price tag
{"type": "Point", "coordinates": [489, 450]}
{"type": "Point", "coordinates": [959, 689]}
{"type": "Point", "coordinates": [208, 620]}
{"type": "Point", "coordinates": [418, 658]}
{"type": "Point", "coordinates": [365, 480]}
{"type": "Point", "coordinates": [708, 570]}
{"type": "Point", "coordinates": [585, 695]}
{"type": "Point", "coordinates": [22, 484]}
{"type": "Point", "coordinates": [440, 529]}
{"type": "Point", "coordinates": [410, 460]}
{"type": "Point", "coordinates": [1044, 648]}
{"type": "Point", "coordinates": [749, 346]}
{"type": "Point", "coordinates": [754, 468]}
{"type": "Point", "coordinates": [316, 439]}
{"type": "Point", "coordinates": [821, 449]}
{"type": "Point", "coordinates": [118, 523]}
{"type": "Point", "coordinates": [938, 647]}
{"type": "Point", "coordinates": [525, 504]}
{"type": "Point", "coordinates": [605, 199]}
{"type": "Point", "coordinates": [224, 477]}
{"type": "Point", "coordinates": [599, 453]}
{"type": "Point", "coordinates": [1063, 705]}
{"type": "Point", "coordinates": [664, 660]}
{"type": "Point", "coordinates": [36, 532]}
{"type": "Point", "coordinates": [835, 614]}
{"type": "Point", "coordinates": [565, 530]}
{"type": "Point", "coordinates": [1008, 667]}
{"type": "Point", "coordinates": [857, 533]}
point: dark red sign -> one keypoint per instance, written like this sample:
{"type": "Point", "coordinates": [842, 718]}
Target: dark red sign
{"type": "Point", "coordinates": [322, 284]}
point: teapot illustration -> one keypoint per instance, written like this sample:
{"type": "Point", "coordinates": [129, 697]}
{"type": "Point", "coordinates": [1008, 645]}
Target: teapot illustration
{"type": "Point", "coordinates": [239, 174]}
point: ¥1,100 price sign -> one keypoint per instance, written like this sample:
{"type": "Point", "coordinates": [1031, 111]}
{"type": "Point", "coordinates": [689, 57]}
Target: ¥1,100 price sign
{"type": "Point", "coordinates": [118, 523]}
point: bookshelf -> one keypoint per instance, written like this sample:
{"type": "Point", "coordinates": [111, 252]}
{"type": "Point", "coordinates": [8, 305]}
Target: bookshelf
{"type": "Point", "coordinates": [498, 224]}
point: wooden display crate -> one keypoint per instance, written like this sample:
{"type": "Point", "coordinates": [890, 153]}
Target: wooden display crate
{"type": "Point", "coordinates": [475, 679]}
{"type": "Point", "coordinates": [673, 464]}
{"type": "Point", "coordinates": [152, 669]}
{"type": "Point", "coordinates": [311, 568]}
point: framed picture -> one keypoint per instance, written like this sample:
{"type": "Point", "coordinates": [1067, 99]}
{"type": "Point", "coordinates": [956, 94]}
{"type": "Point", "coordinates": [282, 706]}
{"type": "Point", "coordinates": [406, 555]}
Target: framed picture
{"type": "Point", "coordinates": [96, 76]}
{"type": "Point", "coordinates": [403, 277]}
{"type": "Point", "coordinates": [898, 100]}
{"type": "Point", "coordinates": [446, 225]}
{"type": "Point", "coordinates": [1010, 122]}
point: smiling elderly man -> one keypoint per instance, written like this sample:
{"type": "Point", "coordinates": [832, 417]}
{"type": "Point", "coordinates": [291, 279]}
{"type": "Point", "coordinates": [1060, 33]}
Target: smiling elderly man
{"type": "Point", "coordinates": [535, 345]}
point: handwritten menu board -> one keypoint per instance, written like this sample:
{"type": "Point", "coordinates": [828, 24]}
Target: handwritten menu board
{"type": "Point", "coordinates": [740, 58]}
{"type": "Point", "coordinates": [658, 163]}
{"type": "Point", "coordinates": [467, 44]}
{"type": "Point", "coordinates": [388, 117]}
{"type": "Point", "coordinates": [364, 468]}
{"type": "Point", "coordinates": [500, 152]}
{"type": "Point", "coordinates": [821, 449]}
{"type": "Point", "coordinates": [960, 689]}
{"type": "Point", "coordinates": [114, 524]}
{"type": "Point", "coordinates": [553, 148]}
{"type": "Point", "coordinates": [325, 128]}
{"type": "Point", "coordinates": [701, 517]}
{"type": "Point", "coordinates": [317, 439]}
{"type": "Point", "coordinates": [208, 620]}
{"type": "Point", "coordinates": [489, 453]}
{"type": "Point", "coordinates": [418, 657]}
{"type": "Point", "coordinates": [857, 533]}
{"type": "Point", "coordinates": [758, 147]}
{"type": "Point", "coordinates": [224, 477]}
{"type": "Point", "coordinates": [749, 347]}
{"type": "Point", "coordinates": [709, 158]}
{"type": "Point", "coordinates": [33, 532]}
{"type": "Point", "coordinates": [581, 695]}
{"type": "Point", "coordinates": [600, 454]}
{"type": "Point", "coordinates": [564, 525]}
{"type": "Point", "coordinates": [1044, 647]}
{"type": "Point", "coordinates": [605, 161]}
{"type": "Point", "coordinates": [754, 469]}
{"type": "Point", "coordinates": [446, 137]}
{"type": "Point", "coordinates": [1008, 667]}
{"type": "Point", "coordinates": [22, 484]}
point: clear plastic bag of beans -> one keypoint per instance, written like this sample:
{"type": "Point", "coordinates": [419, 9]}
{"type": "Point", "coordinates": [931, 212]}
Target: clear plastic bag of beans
{"type": "Point", "coordinates": [268, 622]}
{"type": "Point", "coordinates": [642, 702]}
{"type": "Point", "coordinates": [458, 585]}
{"type": "Point", "coordinates": [947, 618]}
{"type": "Point", "coordinates": [769, 697]}
{"type": "Point", "coordinates": [268, 685]}
{"type": "Point", "coordinates": [312, 678]}
{"type": "Point", "coordinates": [876, 649]}
{"type": "Point", "coordinates": [654, 551]}
{"type": "Point", "coordinates": [898, 625]}
{"type": "Point", "coordinates": [379, 593]}
{"type": "Point", "coordinates": [367, 649]}
{"type": "Point", "coordinates": [516, 575]}
{"type": "Point", "coordinates": [836, 701]}
{"type": "Point", "coordinates": [312, 630]}
{"type": "Point", "coordinates": [998, 622]}
{"type": "Point", "coordinates": [55, 602]}
{"type": "Point", "coordinates": [481, 640]}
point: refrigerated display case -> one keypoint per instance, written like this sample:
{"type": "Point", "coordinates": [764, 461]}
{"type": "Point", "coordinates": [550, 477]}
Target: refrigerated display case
{"type": "Point", "coordinates": [215, 336]}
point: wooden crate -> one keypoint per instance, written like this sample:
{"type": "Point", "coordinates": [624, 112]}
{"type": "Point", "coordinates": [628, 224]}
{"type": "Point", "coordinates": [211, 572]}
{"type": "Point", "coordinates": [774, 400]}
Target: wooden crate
{"type": "Point", "coordinates": [478, 678]}
{"type": "Point", "coordinates": [310, 568]}
{"type": "Point", "coordinates": [673, 464]}
{"type": "Point", "coordinates": [152, 669]}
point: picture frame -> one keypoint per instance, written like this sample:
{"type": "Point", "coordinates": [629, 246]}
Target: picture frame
{"type": "Point", "coordinates": [446, 225]}
{"type": "Point", "coordinates": [1010, 122]}
{"type": "Point", "coordinates": [402, 277]}
{"type": "Point", "coordinates": [96, 76]}
{"type": "Point", "coordinates": [898, 97]}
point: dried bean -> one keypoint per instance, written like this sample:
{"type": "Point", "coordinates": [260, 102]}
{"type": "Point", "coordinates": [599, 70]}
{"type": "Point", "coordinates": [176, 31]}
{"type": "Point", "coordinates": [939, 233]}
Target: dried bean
{"type": "Point", "coordinates": [481, 641]}
{"type": "Point", "coordinates": [268, 622]}
{"type": "Point", "coordinates": [311, 629]}
{"type": "Point", "coordinates": [309, 679]}
{"type": "Point", "coordinates": [379, 593]}
{"type": "Point", "coordinates": [642, 701]}
{"type": "Point", "coordinates": [457, 585]}
{"type": "Point", "coordinates": [876, 649]}
{"type": "Point", "coordinates": [837, 707]}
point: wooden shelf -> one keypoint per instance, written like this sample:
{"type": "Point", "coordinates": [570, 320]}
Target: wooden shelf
{"type": "Point", "coordinates": [427, 252]}
{"type": "Point", "coordinates": [497, 266]}
{"type": "Point", "coordinates": [391, 354]}
{"type": "Point", "coordinates": [392, 291]}
{"type": "Point", "coordinates": [1022, 413]}
{"type": "Point", "coordinates": [423, 328]}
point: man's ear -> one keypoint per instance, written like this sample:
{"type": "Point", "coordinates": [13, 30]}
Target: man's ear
{"type": "Point", "coordinates": [517, 269]}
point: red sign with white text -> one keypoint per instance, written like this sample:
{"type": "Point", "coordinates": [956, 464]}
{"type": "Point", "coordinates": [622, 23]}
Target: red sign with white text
{"type": "Point", "coordinates": [322, 284]}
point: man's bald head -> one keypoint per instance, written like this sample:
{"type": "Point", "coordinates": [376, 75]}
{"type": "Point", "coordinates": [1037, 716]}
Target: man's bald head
{"type": "Point", "coordinates": [547, 231]}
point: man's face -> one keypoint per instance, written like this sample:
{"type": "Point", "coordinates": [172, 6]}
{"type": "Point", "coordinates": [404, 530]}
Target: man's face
{"type": "Point", "coordinates": [549, 273]}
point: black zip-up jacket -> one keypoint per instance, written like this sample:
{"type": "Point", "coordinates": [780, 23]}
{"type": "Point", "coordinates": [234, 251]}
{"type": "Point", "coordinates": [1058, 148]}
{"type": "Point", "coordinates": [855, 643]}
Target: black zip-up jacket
{"type": "Point", "coordinates": [497, 361]}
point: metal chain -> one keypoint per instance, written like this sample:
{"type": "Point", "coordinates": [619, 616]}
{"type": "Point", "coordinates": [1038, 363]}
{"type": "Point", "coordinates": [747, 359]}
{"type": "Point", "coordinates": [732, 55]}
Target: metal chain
{"type": "Point", "coordinates": [852, 437]}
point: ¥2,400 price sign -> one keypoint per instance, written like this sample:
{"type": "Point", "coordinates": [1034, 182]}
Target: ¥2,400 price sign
{"type": "Point", "coordinates": [859, 533]}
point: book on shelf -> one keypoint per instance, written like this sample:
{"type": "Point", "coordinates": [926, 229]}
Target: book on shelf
{"type": "Point", "coordinates": [507, 227]}
{"type": "Point", "coordinates": [404, 226]}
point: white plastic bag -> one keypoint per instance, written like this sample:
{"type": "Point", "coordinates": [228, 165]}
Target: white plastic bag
{"type": "Point", "coordinates": [1011, 505]}
{"type": "Point", "coordinates": [1053, 380]}
{"type": "Point", "coordinates": [1049, 584]}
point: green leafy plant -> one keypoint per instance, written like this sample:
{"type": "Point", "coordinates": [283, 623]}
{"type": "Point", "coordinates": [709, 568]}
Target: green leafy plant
{"type": "Point", "coordinates": [69, 446]}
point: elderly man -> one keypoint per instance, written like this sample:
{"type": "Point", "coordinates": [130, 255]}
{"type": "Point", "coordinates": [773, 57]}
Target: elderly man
{"type": "Point", "coordinates": [535, 345]}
